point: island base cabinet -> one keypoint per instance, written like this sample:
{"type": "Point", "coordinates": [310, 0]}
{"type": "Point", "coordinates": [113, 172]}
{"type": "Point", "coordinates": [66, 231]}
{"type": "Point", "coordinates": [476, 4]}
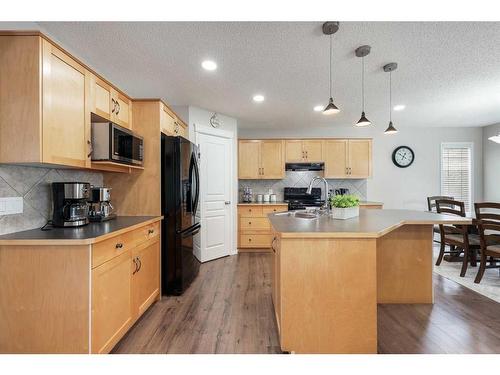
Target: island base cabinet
{"type": "Point", "coordinates": [275, 272]}
{"type": "Point", "coordinates": [326, 295]}
{"type": "Point", "coordinates": [111, 303]}
{"type": "Point", "coordinates": [146, 276]}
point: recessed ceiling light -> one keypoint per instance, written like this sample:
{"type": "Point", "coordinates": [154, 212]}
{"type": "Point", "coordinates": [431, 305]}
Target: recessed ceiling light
{"type": "Point", "coordinates": [399, 107]}
{"type": "Point", "coordinates": [258, 98]}
{"type": "Point", "coordinates": [318, 108]}
{"type": "Point", "coordinates": [209, 65]}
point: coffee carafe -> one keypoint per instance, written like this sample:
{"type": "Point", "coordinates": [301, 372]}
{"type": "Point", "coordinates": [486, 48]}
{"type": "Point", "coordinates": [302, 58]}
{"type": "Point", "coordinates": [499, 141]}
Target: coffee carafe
{"type": "Point", "coordinates": [70, 207]}
{"type": "Point", "coordinates": [101, 208]}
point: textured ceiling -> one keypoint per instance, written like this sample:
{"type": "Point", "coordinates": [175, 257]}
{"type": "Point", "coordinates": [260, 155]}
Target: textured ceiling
{"type": "Point", "coordinates": [448, 75]}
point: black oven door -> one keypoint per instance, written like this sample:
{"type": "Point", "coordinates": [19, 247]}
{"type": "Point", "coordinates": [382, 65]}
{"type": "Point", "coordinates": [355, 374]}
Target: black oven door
{"type": "Point", "coordinates": [125, 146]}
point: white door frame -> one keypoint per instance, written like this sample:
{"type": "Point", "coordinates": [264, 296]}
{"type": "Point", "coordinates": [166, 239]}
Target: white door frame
{"type": "Point", "coordinates": [208, 130]}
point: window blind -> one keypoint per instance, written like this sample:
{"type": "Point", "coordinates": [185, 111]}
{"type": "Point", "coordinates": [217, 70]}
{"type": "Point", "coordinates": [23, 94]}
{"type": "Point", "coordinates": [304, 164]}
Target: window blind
{"type": "Point", "coordinates": [456, 173]}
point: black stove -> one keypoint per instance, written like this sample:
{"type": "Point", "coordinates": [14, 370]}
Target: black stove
{"type": "Point", "coordinates": [298, 199]}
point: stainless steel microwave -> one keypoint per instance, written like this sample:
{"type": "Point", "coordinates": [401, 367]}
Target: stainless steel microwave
{"type": "Point", "coordinates": [112, 142]}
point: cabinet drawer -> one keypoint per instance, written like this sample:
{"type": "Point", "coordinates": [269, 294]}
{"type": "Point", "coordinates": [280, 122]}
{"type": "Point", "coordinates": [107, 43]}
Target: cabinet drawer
{"type": "Point", "coordinates": [271, 209]}
{"type": "Point", "coordinates": [111, 248]}
{"type": "Point", "coordinates": [254, 223]}
{"type": "Point", "coordinates": [255, 240]}
{"type": "Point", "coordinates": [250, 211]}
{"type": "Point", "coordinates": [146, 232]}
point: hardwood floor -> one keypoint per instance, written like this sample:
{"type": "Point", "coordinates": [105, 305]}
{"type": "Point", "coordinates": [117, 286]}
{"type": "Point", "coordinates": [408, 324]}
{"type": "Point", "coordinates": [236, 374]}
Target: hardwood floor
{"type": "Point", "coordinates": [228, 309]}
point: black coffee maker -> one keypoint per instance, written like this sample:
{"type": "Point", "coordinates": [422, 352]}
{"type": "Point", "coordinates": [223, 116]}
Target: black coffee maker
{"type": "Point", "coordinates": [70, 204]}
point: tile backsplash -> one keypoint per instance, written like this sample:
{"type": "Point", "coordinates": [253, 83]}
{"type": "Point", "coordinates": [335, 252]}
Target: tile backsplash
{"type": "Point", "coordinates": [33, 184]}
{"type": "Point", "coordinates": [301, 179]}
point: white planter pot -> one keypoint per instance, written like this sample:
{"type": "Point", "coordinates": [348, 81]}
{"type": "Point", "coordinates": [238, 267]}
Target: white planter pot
{"type": "Point", "coordinates": [344, 213]}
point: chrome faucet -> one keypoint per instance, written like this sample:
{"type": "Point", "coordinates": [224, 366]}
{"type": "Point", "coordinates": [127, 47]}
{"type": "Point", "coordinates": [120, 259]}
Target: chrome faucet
{"type": "Point", "coordinates": [326, 205]}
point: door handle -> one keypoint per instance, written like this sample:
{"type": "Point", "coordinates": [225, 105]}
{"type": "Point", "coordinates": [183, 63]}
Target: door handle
{"type": "Point", "coordinates": [227, 203]}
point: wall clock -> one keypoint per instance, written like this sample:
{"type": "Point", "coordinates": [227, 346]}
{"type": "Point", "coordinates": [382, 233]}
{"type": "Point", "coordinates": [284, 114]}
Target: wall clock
{"type": "Point", "coordinates": [403, 156]}
{"type": "Point", "coordinates": [214, 121]}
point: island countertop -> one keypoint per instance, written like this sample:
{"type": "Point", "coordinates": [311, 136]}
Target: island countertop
{"type": "Point", "coordinates": [369, 224]}
{"type": "Point", "coordinates": [85, 235]}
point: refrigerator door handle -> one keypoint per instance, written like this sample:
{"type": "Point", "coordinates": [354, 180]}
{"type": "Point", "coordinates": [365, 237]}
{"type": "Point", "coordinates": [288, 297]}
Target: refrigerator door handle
{"type": "Point", "coordinates": [189, 231]}
{"type": "Point", "coordinates": [197, 195]}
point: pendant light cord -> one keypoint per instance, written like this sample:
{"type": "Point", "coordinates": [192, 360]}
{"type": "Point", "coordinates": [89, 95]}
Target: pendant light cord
{"type": "Point", "coordinates": [331, 38]}
{"type": "Point", "coordinates": [363, 83]}
{"type": "Point", "coordinates": [390, 96]}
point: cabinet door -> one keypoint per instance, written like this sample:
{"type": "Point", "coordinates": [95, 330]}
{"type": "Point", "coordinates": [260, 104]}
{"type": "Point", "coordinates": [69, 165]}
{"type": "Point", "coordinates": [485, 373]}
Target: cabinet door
{"type": "Point", "coordinates": [100, 98]}
{"type": "Point", "coordinates": [121, 108]}
{"type": "Point", "coordinates": [111, 302]}
{"type": "Point", "coordinates": [294, 151]}
{"type": "Point", "coordinates": [336, 158]}
{"type": "Point", "coordinates": [271, 159]}
{"type": "Point", "coordinates": [167, 121]}
{"type": "Point", "coordinates": [313, 150]}
{"type": "Point", "coordinates": [66, 121]}
{"type": "Point", "coordinates": [249, 159]}
{"type": "Point", "coordinates": [360, 158]}
{"type": "Point", "coordinates": [146, 276]}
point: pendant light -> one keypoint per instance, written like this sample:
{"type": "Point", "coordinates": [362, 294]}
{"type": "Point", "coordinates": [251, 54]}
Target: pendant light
{"type": "Point", "coordinates": [362, 52]}
{"type": "Point", "coordinates": [389, 68]}
{"type": "Point", "coordinates": [330, 28]}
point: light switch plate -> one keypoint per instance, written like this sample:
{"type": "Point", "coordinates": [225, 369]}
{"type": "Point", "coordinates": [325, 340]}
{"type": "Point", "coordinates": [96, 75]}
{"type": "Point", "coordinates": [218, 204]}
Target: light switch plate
{"type": "Point", "coordinates": [11, 205]}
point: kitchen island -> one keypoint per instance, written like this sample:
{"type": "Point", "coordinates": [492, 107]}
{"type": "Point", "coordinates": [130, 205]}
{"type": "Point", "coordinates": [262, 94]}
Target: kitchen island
{"type": "Point", "coordinates": [329, 275]}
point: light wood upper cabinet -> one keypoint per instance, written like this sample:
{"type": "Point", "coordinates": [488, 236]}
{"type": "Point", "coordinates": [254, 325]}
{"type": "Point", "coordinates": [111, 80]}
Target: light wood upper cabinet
{"type": "Point", "coordinates": [249, 159]}
{"type": "Point", "coordinates": [171, 125]}
{"type": "Point", "coordinates": [294, 151]}
{"type": "Point", "coordinates": [108, 103]}
{"type": "Point", "coordinates": [336, 158]}
{"type": "Point", "coordinates": [360, 158]}
{"type": "Point", "coordinates": [146, 276]}
{"type": "Point", "coordinates": [121, 109]}
{"type": "Point", "coordinates": [348, 158]}
{"type": "Point", "coordinates": [111, 302]}
{"type": "Point", "coordinates": [66, 125]}
{"type": "Point", "coordinates": [261, 159]}
{"type": "Point", "coordinates": [304, 151]}
{"type": "Point", "coordinates": [271, 159]}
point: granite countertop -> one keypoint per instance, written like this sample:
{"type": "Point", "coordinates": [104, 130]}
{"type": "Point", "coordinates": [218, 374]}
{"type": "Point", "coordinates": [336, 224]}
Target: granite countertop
{"type": "Point", "coordinates": [88, 234]}
{"type": "Point", "coordinates": [369, 223]}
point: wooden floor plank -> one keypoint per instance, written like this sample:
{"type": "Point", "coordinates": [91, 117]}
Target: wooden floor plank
{"type": "Point", "coordinates": [228, 309]}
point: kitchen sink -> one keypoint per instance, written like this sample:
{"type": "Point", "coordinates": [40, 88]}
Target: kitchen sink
{"type": "Point", "coordinates": [301, 214]}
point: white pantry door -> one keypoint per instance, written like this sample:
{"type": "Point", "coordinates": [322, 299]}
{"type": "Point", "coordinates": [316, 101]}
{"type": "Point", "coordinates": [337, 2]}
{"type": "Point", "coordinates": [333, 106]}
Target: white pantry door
{"type": "Point", "coordinates": [215, 192]}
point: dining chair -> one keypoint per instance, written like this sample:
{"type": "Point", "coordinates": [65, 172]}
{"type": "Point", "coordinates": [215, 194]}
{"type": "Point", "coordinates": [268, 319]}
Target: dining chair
{"type": "Point", "coordinates": [456, 235]}
{"type": "Point", "coordinates": [488, 222]}
{"type": "Point", "coordinates": [431, 205]}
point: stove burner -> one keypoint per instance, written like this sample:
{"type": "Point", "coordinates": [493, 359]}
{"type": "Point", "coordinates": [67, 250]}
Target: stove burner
{"type": "Point", "coordinates": [298, 199]}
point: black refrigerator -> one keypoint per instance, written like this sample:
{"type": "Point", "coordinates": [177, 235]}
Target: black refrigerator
{"type": "Point", "coordinates": [180, 192]}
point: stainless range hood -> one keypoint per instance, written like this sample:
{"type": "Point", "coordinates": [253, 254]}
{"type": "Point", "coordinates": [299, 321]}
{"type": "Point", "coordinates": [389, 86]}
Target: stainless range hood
{"type": "Point", "coordinates": [304, 166]}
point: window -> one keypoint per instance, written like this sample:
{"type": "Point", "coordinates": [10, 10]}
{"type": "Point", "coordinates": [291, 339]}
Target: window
{"type": "Point", "coordinates": [456, 172]}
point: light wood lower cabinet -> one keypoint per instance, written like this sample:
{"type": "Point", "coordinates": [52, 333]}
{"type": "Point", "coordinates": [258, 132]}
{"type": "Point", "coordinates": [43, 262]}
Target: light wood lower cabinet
{"type": "Point", "coordinates": [78, 298]}
{"type": "Point", "coordinates": [145, 276]}
{"type": "Point", "coordinates": [111, 302]}
{"type": "Point", "coordinates": [254, 228]}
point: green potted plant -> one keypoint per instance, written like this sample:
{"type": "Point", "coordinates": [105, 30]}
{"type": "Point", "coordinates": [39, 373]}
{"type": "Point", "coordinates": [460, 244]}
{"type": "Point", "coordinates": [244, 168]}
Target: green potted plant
{"type": "Point", "coordinates": [344, 206]}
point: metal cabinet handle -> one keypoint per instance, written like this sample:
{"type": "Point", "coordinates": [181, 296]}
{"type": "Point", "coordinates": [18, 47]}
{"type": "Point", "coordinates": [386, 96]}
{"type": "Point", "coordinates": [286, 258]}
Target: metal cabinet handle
{"type": "Point", "coordinates": [91, 148]}
{"type": "Point", "coordinates": [113, 105]}
{"type": "Point", "coordinates": [249, 223]}
{"type": "Point", "coordinates": [118, 104]}
{"type": "Point", "coordinates": [262, 171]}
{"type": "Point", "coordinates": [140, 264]}
{"type": "Point", "coordinates": [272, 244]}
{"type": "Point", "coordinates": [151, 231]}
{"type": "Point", "coordinates": [249, 240]}
{"type": "Point", "coordinates": [119, 245]}
{"type": "Point", "coordinates": [136, 266]}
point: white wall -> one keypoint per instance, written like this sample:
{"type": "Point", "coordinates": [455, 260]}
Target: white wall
{"type": "Point", "coordinates": [491, 160]}
{"type": "Point", "coordinates": [199, 116]}
{"type": "Point", "coordinates": [399, 187]}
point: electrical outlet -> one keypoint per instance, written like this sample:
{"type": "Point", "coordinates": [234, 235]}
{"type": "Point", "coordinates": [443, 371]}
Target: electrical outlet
{"type": "Point", "coordinates": [11, 205]}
